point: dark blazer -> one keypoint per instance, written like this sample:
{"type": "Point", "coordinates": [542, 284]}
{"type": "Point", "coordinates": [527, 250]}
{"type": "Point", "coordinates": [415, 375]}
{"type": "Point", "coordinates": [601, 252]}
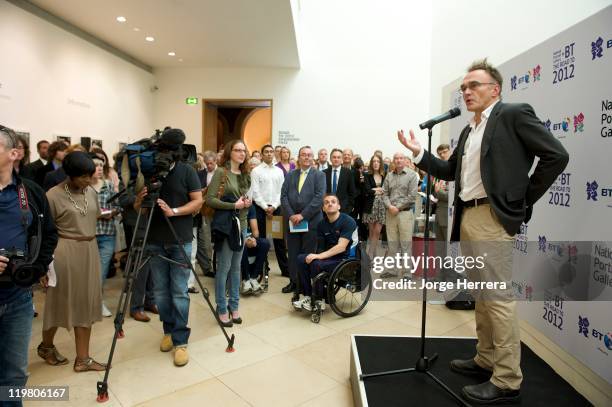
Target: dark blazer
{"type": "Point", "coordinates": [309, 201]}
{"type": "Point", "coordinates": [512, 138]}
{"type": "Point", "coordinates": [369, 195]}
{"type": "Point", "coordinates": [30, 170]}
{"type": "Point", "coordinates": [53, 178]}
{"type": "Point", "coordinates": [39, 206]}
{"type": "Point", "coordinates": [39, 177]}
{"type": "Point", "coordinates": [345, 190]}
{"type": "Point", "coordinates": [202, 175]}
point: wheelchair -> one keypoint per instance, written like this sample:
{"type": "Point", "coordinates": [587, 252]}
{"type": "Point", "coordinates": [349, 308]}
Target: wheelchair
{"type": "Point", "coordinates": [346, 289]}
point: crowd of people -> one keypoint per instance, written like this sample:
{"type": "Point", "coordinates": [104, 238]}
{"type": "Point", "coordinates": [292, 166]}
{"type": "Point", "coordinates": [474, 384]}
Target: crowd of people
{"type": "Point", "coordinates": [220, 206]}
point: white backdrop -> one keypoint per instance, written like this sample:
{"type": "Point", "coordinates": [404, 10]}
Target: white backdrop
{"type": "Point", "coordinates": [567, 79]}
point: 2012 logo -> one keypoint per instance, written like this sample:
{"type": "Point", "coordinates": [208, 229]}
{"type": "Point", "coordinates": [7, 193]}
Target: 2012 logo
{"type": "Point", "coordinates": [595, 192]}
{"type": "Point", "coordinates": [560, 191]}
{"type": "Point", "coordinates": [585, 329]}
{"type": "Point", "coordinates": [597, 47]}
{"type": "Point", "coordinates": [564, 63]}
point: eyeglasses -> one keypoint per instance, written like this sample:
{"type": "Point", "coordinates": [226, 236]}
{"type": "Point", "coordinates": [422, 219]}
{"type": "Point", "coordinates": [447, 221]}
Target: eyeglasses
{"type": "Point", "coordinates": [473, 85]}
{"type": "Point", "coordinates": [238, 150]}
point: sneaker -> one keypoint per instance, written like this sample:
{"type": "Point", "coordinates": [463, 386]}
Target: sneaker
{"type": "Point", "coordinates": [298, 303]}
{"type": "Point", "coordinates": [181, 356]}
{"type": "Point", "coordinates": [166, 344]}
{"type": "Point", "coordinates": [105, 311]}
{"type": "Point", "coordinates": [320, 304]}
{"type": "Point", "coordinates": [306, 305]}
{"type": "Point", "coordinates": [247, 287]}
{"type": "Point", "coordinates": [256, 286]}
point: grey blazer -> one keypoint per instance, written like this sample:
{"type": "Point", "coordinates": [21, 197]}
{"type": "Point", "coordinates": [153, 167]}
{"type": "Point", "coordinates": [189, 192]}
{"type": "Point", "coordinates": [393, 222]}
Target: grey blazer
{"type": "Point", "coordinates": [309, 201]}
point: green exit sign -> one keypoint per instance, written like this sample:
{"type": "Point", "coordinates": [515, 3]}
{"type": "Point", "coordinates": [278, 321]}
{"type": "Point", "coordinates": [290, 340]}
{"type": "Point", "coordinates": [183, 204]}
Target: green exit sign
{"type": "Point", "coordinates": [191, 101]}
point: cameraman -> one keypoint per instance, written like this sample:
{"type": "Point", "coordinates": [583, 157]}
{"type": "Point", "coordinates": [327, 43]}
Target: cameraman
{"type": "Point", "coordinates": [179, 197]}
{"type": "Point", "coordinates": [20, 221]}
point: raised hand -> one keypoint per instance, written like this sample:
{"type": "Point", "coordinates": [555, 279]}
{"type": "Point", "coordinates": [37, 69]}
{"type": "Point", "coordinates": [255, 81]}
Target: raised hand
{"type": "Point", "coordinates": [411, 143]}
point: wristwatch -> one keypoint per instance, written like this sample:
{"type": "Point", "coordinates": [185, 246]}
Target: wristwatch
{"type": "Point", "coordinates": [175, 211]}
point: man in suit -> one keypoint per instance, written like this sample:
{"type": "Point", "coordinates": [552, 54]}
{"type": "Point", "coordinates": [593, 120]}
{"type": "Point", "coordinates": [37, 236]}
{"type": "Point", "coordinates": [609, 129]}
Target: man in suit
{"type": "Point", "coordinates": [340, 182]}
{"type": "Point", "coordinates": [322, 165]}
{"type": "Point", "coordinates": [301, 199]}
{"type": "Point", "coordinates": [494, 195]}
{"type": "Point", "coordinates": [30, 170]}
{"type": "Point", "coordinates": [56, 153]}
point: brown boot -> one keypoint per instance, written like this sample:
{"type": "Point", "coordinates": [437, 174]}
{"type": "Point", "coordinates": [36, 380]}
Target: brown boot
{"type": "Point", "coordinates": [140, 316]}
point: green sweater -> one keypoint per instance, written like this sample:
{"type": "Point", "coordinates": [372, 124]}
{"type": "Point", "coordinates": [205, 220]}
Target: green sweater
{"type": "Point", "coordinates": [237, 185]}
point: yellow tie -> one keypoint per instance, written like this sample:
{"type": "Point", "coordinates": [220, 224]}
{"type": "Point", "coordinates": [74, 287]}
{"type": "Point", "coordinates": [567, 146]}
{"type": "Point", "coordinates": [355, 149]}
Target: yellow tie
{"type": "Point", "coordinates": [301, 181]}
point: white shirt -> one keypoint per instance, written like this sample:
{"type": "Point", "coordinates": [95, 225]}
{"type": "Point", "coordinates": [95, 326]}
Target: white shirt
{"type": "Point", "coordinates": [209, 175]}
{"type": "Point", "coordinates": [471, 180]}
{"type": "Point", "coordinates": [266, 184]}
{"type": "Point", "coordinates": [322, 167]}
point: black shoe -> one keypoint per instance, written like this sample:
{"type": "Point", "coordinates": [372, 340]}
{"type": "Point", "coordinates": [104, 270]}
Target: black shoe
{"type": "Point", "coordinates": [209, 274]}
{"type": "Point", "coordinates": [295, 297]}
{"type": "Point", "coordinates": [488, 393]}
{"type": "Point", "coordinates": [469, 367]}
{"type": "Point", "coordinates": [289, 288]}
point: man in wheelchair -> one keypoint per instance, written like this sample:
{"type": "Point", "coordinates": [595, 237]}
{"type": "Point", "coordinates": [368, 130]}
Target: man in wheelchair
{"type": "Point", "coordinates": [253, 257]}
{"type": "Point", "coordinates": [334, 238]}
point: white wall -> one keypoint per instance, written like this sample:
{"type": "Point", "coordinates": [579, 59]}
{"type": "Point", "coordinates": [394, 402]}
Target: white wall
{"type": "Point", "coordinates": [464, 31]}
{"type": "Point", "coordinates": [364, 74]}
{"type": "Point", "coordinates": [52, 82]}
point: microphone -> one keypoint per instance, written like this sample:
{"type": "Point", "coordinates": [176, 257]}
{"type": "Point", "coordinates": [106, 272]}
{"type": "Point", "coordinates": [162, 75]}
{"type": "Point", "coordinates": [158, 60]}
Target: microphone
{"type": "Point", "coordinates": [454, 112]}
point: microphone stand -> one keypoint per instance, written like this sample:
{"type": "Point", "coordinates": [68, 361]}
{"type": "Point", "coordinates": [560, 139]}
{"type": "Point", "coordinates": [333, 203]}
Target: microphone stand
{"type": "Point", "coordinates": [424, 363]}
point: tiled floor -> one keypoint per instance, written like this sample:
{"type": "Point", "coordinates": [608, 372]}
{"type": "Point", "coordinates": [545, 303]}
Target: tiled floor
{"type": "Point", "coordinates": [281, 358]}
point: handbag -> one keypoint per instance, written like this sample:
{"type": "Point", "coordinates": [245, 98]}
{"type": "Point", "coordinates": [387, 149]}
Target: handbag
{"type": "Point", "coordinates": [206, 210]}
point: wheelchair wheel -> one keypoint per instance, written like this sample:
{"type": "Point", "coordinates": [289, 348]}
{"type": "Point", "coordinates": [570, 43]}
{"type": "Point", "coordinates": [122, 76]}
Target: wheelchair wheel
{"type": "Point", "coordinates": [348, 289]}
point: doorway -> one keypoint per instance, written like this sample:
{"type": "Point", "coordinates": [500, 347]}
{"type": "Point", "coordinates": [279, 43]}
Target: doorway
{"type": "Point", "coordinates": [224, 120]}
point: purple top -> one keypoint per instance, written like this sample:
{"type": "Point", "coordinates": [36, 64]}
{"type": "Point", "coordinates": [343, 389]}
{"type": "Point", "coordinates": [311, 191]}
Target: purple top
{"type": "Point", "coordinates": [280, 165]}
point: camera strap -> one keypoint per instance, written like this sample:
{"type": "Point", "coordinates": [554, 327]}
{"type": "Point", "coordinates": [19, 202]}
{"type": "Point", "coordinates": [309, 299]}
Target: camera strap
{"type": "Point", "coordinates": [23, 204]}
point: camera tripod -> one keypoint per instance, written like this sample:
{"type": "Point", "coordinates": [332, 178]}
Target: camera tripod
{"type": "Point", "coordinates": [136, 261]}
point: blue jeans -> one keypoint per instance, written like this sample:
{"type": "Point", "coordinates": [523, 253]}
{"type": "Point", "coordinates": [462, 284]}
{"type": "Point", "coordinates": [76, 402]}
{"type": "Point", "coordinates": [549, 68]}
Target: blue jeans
{"type": "Point", "coordinates": [170, 289]}
{"type": "Point", "coordinates": [106, 247]}
{"type": "Point", "coordinates": [228, 263]}
{"type": "Point", "coordinates": [260, 252]}
{"type": "Point", "coordinates": [15, 331]}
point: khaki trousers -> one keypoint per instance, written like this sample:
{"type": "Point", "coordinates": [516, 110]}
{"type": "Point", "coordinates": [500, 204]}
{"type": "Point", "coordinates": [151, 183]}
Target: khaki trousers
{"type": "Point", "coordinates": [499, 343]}
{"type": "Point", "coordinates": [399, 232]}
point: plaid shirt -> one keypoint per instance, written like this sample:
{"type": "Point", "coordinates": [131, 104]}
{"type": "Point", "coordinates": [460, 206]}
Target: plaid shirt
{"type": "Point", "coordinates": [106, 226]}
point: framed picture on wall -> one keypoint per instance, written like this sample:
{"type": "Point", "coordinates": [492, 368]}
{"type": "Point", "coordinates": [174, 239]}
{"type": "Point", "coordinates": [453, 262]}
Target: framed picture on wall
{"type": "Point", "coordinates": [66, 139]}
{"type": "Point", "coordinates": [96, 143]}
{"type": "Point", "coordinates": [25, 135]}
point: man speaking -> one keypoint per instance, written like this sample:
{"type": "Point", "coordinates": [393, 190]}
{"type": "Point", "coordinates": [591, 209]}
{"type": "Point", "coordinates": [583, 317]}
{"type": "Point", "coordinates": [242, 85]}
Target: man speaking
{"type": "Point", "coordinates": [494, 195]}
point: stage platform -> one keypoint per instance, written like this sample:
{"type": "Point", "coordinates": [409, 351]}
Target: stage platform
{"type": "Point", "coordinates": [541, 385]}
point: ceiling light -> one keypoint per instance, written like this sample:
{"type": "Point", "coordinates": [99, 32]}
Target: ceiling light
{"type": "Point", "coordinates": [121, 19]}
{"type": "Point", "coordinates": [171, 53]}
{"type": "Point", "coordinates": [136, 29]}
{"type": "Point", "coordinates": [150, 39]}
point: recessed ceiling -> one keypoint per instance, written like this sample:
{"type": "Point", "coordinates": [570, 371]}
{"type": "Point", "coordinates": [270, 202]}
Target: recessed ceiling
{"type": "Point", "coordinates": [201, 33]}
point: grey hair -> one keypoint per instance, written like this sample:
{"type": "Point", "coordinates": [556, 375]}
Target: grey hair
{"type": "Point", "coordinates": [8, 137]}
{"type": "Point", "coordinates": [209, 155]}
